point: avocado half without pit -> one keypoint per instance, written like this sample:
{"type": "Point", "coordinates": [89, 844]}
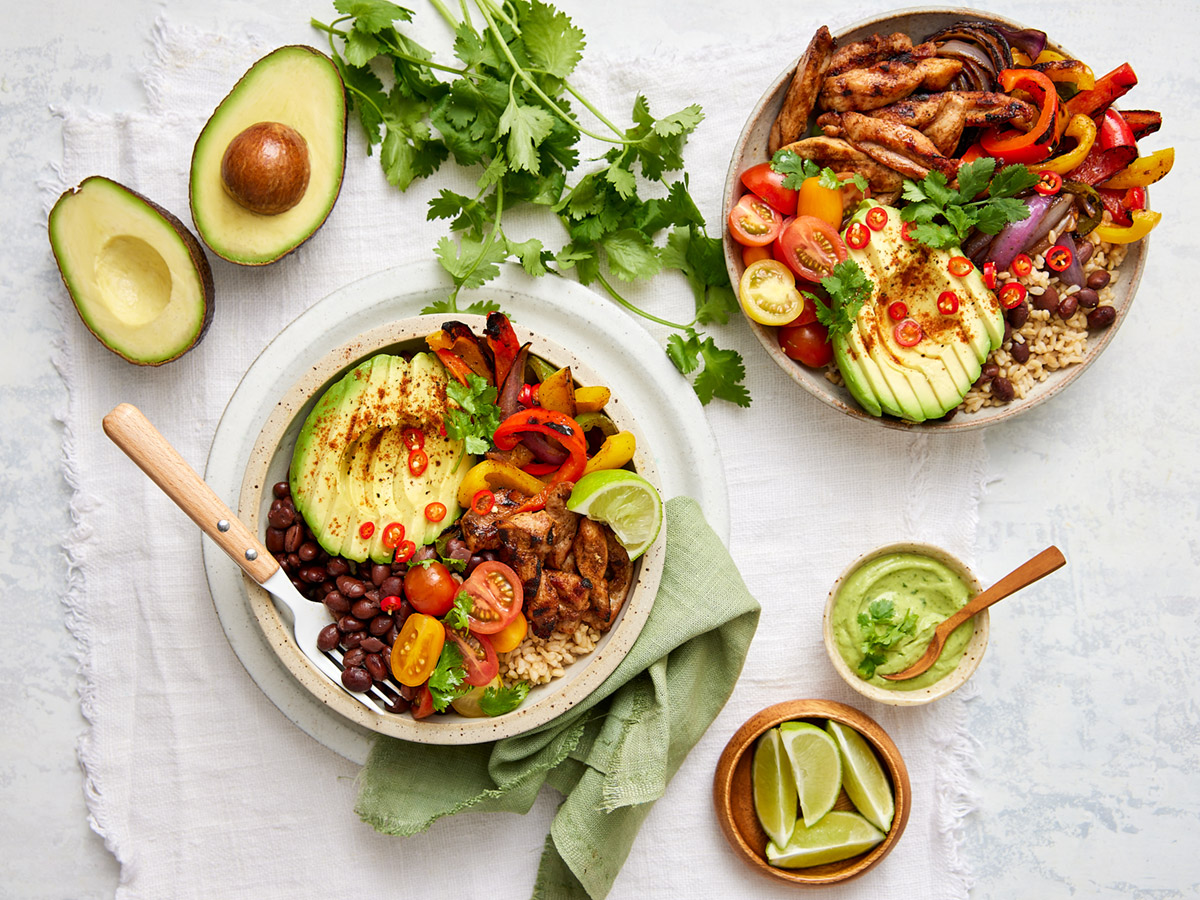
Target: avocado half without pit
{"type": "Point", "coordinates": [137, 276]}
{"type": "Point", "coordinates": [267, 167]}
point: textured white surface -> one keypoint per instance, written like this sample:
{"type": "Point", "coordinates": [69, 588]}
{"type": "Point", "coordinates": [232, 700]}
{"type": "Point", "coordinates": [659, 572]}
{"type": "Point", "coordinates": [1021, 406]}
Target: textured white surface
{"type": "Point", "coordinates": [1085, 714]}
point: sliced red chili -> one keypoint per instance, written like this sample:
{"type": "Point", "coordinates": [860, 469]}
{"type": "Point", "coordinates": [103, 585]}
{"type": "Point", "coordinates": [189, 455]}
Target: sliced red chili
{"type": "Point", "coordinates": [897, 310]}
{"type": "Point", "coordinates": [1012, 294]}
{"type": "Point", "coordinates": [365, 530]}
{"type": "Point", "coordinates": [405, 551]}
{"type": "Point", "coordinates": [418, 462]}
{"type": "Point", "coordinates": [413, 438]}
{"type": "Point", "coordinates": [905, 230]}
{"type": "Point", "coordinates": [960, 266]}
{"type": "Point", "coordinates": [907, 333]}
{"type": "Point", "coordinates": [947, 303]}
{"type": "Point", "coordinates": [1059, 258]}
{"type": "Point", "coordinates": [857, 236]}
{"type": "Point", "coordinates": [1021, 265]}
{"type": "Point", "coordinates": [482, 502]}
{"type": "Point", "coordinates": [989, 275]}
{"type": "Point", "coordinates": [1049, 183]}
{"type": "Point", "coordinates": [877, 218]}
{"type": "Point", "coordinates": [390, 604]}
{"type": "Point", "coordinates": [393, 534]}
{"type": "Point", "coordinates": [435, 511]}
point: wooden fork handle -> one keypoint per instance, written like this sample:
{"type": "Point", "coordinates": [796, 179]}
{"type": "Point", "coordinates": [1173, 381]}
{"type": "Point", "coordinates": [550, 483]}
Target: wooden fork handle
{"type": "Point", "coordinates": [1049, 560]}
{"type": "Point", "coordinates": [130, 430]}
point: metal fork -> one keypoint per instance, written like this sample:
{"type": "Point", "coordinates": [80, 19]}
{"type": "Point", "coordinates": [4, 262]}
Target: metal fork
{"type": "Point", "coordinates": [130, 430]}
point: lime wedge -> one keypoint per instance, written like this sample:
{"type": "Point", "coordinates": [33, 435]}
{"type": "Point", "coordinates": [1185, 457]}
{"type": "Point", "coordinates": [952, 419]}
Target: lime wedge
{"type": "Point", "coordinates": [774, 787]}
{"type": "Point", "coordinates": [625, 502]}
{"type": "Point", "coordinates": [839, 835]}
{"type": "Point", "coordinates": [863, 777]}
{"type": "Point", "coordinates": [816, 765]}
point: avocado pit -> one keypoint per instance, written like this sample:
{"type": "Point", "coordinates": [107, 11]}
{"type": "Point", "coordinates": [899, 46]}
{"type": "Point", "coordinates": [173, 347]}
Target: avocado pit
{"type": "Point", "coordinates": [266, 168]}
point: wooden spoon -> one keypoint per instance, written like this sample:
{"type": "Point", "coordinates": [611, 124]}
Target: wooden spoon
{"type": "Point", "coordinates": [1023, 575]}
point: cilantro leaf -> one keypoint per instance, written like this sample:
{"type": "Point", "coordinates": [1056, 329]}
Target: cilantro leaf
{"type": "Point", "coordinates": [477, 418]}
{"type": "Point", "coordinates": [526, 127]}
{"type": "Point", "coordinates": [932, 199]}
{"type": "Point", "coordinates": [460, 609]}
{"type": "Point", "coordinates": [371, 16]}
{"type": "Point", "coordinates": [473, 261]}
{"type": "Point", "coordinates": [552, 41]}
{"type": "Point", "coordinates": [448, 680]}
{"type": "Point", "coordinates": [973, 177]}
{"type": "Point", "coordinates": [880, 632]}
{"type": "Point", "coordinates": [794, 167]}
{"type": "Point", "coordinates": [1012, 180]}
{"type": "Point", "coordinates": [631, 254]}
{"type": "Point", "coordinates": [848, 287]}
{"type": "Point", "coordinates": [497, 702]}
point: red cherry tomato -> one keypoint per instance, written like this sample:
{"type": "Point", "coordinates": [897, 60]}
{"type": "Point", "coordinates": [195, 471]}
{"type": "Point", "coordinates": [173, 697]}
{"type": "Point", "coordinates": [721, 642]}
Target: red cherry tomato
{"type": "Point", "coordinates": [751, 255]}
{"type": "Point", "coordinates": [1059, 258]}
{"type": "Point", "coordinates": [422, 705]}
{"type": "Point", "coordinates": [877, 218]}
{"type": "Point", "coordinates": [496, 596]}
{"type": "Point", "coordinates": [907, 333]}
{"type": "Point", "coordinates": [808, 344]}
{"type": "Point", "coordinates": [393, 534]}
{"type": "Point", "coordinates": [1049, 183]}
{"type": "Point", "coordinates": [858, 236]}
{"type": "Point", "coordinates": [768, 184]}
{"type": "Point", "coordinates": [960, 266]}
{"type": "Point", "coordinates": [435, 511]}
{"type": "Point", "coordinates": [1012, 294]}
{"type": "Point", "coordinates": [430, 588]}
{"type": "Point", "coordinates": [479, 656]}
{"type": "Point", "coordinates": [1021, 265]}
{"type": "Point", "coordinates": [897, 310]}
{"type": "Point", "coordinates": [947, 303]}
{"type": "Point", "coordinates": [812, 247]}
{"type": "Point", "coordinates": [754, 222]}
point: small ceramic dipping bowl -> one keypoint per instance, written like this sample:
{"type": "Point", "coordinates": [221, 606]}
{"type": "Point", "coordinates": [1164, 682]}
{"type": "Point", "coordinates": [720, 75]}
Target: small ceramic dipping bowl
{"type": "Point", "coordinates": [943, 686]}
{"type": "Point", "coordinates": [734, 798]}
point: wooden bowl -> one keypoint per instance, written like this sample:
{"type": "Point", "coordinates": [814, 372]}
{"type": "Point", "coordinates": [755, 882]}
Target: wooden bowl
{"type": "Point", "coordinates": [751, 149]}
{"type": "Point", "coordinates": [734, 797]}
{"type": "Point", "coordinates": [953, 680]}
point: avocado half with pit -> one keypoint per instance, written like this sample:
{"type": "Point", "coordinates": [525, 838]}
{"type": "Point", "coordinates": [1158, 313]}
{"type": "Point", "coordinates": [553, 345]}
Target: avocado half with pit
{"type": "Point", "coordinates": [137, 276]}
{"type": "Point", "coordinates": [267, 167]}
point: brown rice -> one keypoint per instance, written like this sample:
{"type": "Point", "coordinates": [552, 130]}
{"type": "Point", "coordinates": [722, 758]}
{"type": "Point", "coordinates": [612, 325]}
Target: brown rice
{"type": "Point", "coordinates": [540, 661]}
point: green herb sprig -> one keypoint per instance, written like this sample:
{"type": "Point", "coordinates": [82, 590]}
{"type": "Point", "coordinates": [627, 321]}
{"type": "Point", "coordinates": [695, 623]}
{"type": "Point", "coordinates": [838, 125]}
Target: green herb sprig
{"type": "Point", "coordinates": [498, 701]}
{"type": "Point", "coordinates": [447, 682]}
{"type": "Point", "coordinates": [943, 215]}
{"type": "Point", "coordinates": [880, 632]}
{"type": "Point", "coordinates": [797, 170]}
{"type": "Point", "coordinates": [849, 288]}
{"type": "Point", "coordinates": [477, 416]}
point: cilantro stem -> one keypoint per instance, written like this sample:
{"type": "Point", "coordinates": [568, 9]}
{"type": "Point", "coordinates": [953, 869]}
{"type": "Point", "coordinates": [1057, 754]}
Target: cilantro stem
{"type": "Point", "coordinates": [393, 48]}
{"type": "Point", "coordinates": [595, 112]}
{"type": "Point", "coordinates": [612, 292]}
{"type": "Point", "coordinates": [446, 14]}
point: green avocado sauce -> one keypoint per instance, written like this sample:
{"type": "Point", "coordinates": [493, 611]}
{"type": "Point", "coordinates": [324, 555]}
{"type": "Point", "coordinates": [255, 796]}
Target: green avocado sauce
{"type": "Point", "coordinates": [885, 615]}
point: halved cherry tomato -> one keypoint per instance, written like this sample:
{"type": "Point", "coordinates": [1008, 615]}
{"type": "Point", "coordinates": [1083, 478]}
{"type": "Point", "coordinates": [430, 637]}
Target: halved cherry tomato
{"type": "Point", "coordinates": [754, 222]}
{"type": "Point", "coordinates": [496, 596]}
{"type": "Point", "coordinates": [822, 202]}
{"type": "Point", "coordinates": [1012, 294]}
{"type": "Point", "coordinates": [947, 303]}
{"type": "Point", "coordinates": [510, 636]}
{"type": "Point", "coordinates": [907, 333]}
{"type": "Point", "coordinates": [482, 502]}
{"type": "Point", "coordinates": [422, 705]}
{"type": "Point", "coordinates": [430, 588]}
{"type": "Point", "coordinates": [897, 310]}
{"type": "Point", "coordinates": [751, 255]}
{"type": "Point", "coordinates": [768, 184]}
{"type": "Point", "coordinates": [877, 218]}
{"type": "Point", "coordinates": [808, 344]}
{"type": "Point", "coordinates": [418, 462]}
{"type": "Point", "coordinates": [1049, 183]}
{"type": "Point", "coordinates": [417, 648]}
{"type": "Point", "coordinates": [393, 534]}
{"type": "Point", "coordinates": [989, 275]}
{"type": "Point", "coordinates": [1059, 258]}
{"type": "Point", "coordinates": [435, 511]}
{"type": "Point", "coordinates": [365, 530]}
{"type": "Point", "coordinates": [404, 551]}
{"type": "Point", "coordinates": [479, 656]}
{"type": "Point", "coordinates": [413, 438]}
{"type": "Point", "coordinates": [1021, 265]}
{"type": "Point", "coordinates": [768, 295]}
{"type": "Point", "coordinates": [813, 294]}
{"type": "Point", "coordinates": [960, 266]}
{"type": "Point", "coordinates": [812, 247]}
{"type": "Point", "coordinates": [857, 236]}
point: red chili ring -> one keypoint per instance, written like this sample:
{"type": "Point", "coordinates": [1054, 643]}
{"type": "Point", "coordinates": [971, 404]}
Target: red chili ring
{"type": "Point", "coordinates": [897, 310]}
{"type": "Point", "coordinates": [418, 462]}
{"type": "Point", "coordinates": [1049, 183]}
{"type": "Point", "coordinates": [960, 266]}
{"type": "Point", "coordinates": [857, 236]}
{"type": "Point", "coordinates": [1059, 258]}
{"type": "Point", "coordinates": [1012, 294]}
{"type": "Point", "coordinates": [989, 275]}
{"type": "Point", "coordinates": [393, 534]}
{"type": "Point", "coordinates": [365, 530]}
{"type": "Point", "coordinates": [947, 303]}
{"type": "Point", "coordinates": [908, 333]}
{"type": "Point", "coordinates": [905, 228]}
{"type": "Point", "coordinates": [405, 551]}
{"type": "Point", "coordinates": [877, 218]}
{"type": "Point", "coordinates": [413, 438]}
{"type": "Point", "coordinates": [1021, 265]}
{"type": "Point", "coordinates": [435, 511]}
{"type": "Point", "coordinates": [483, 502]}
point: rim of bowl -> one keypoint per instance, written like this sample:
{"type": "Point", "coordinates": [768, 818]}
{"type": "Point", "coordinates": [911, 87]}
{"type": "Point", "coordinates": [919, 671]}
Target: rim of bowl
{"type": "Point", "coordinates": [741, 745]}
{"type": "Point", "coordinates": [972, 655]}
{"type": "Point", "coordinates": [813, 380]}
{"type": "Point", "coordinates": [274, 442]}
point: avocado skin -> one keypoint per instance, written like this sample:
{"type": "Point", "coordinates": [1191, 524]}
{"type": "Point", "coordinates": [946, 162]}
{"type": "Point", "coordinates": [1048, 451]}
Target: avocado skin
{"type": "Point", "coordinates": [195, 252]}
{"type": "Point", "coordinates": [197, 149]}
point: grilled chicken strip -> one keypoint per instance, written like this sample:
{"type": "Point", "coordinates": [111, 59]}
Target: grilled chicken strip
{"type": "Point", "coordinates": [591, 559]}
{"type": "Point", "coordinates": [572, 593]}
{"type": "Point", "coordinates": [841, 156]}
{"type": "Point", "coordinates": [981, 107]}
{"type": "Point", "coordinates": [876, 48]}
{"type": "Point", "coordinates": [899, 147]}
{"type": "Point", "coordinates": [886, 82]}
{"type": "Point", "coordinates": [946, 128]}
{"type": "Point", "coordinates": [802, 92]}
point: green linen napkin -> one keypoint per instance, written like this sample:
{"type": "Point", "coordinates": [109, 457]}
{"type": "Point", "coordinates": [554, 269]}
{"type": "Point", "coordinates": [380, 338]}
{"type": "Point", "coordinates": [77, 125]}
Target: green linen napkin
{"type": "Point", "coordinates": [612, 755]}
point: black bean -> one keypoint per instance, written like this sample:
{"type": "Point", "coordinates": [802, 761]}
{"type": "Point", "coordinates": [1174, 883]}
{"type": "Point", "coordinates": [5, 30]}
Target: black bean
{"type": "Point", "coordinates": [351, 587]}
{"type": "Point", "coordinates": [1002, 389]}
{"type": "Point", "coordinates": [1020, 352]}
{"type": "Point", "coordinates": [354, 657]}
{"type": "Point", "coordinates": [1007, 332]}
{"type": "Point", "coordinates": [353, 639]}
{"type": "Point", "coordinates": [397, 705]}
{"type": "Point", "coordinates": [347, 624]}
{"type": "Point", "coordinates": [1101, 317]}
{"type": "Point", "coordinates": [275, 540]}
{"type": "Point", "coordinates": [336, 566]}
{"type": "Point", "coordinates": [1098, 279]}
{"type": "Point", "coordinates": [299, 585]}
{"type": "Point", "coordinates": [374, 595]}
{"type": "Point", "coordinates": [294, 538]}
{"type": "Point", "coordinates": [281, 517]}
{"type": "Point", "coordinates": [392, 586]}
{"type": "Point", "coordinates": [281, 489]}
{"type": "Point", "coordinates": [312, 574]}
{"type": "Point", "coordinates": [357, 679]}
{"type": "Point", "coordinates": [379, 625]}
{"type": "Point", "coordinates": [1047, 300]}
{"type": "Point", "coordinates": [328, 637]}
{"type": "Point", "coordinates": [307, 551]}
{"type": "Point", "coordinates": [1087, 298]}
{"type": "Point", "coordinates": [372, 644]}
{"type": "Point", "coordinates": [1084, 251]}
{"type": "Point", "coordinates": [364, 609]}
{"type": "Point", "coordinates": [1067, 306]}
{"type": "Point", "coordinates": [379, 572]}
{"type": "Point", "coordinates": [337, 604]}
{"type": "Point", "coordinates": [376, 666]}
{"type": "Point", "coordinates": [990, 371]}
{"type": "Point", "coordinates": [1018, 315]}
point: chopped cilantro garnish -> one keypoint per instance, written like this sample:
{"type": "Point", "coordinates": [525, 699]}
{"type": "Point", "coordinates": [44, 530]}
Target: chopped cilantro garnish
{"type": "Point", "coordinates": [797, 170]}
{"type": "Point", "coordinates": [849, 288]}
{"type": "Point", "coordinates": [477, 417]}
{"type": "Point", "coordinates": [497, 702]}
{"type": "Point", "coordinates": [880, 632]}
{"type": "Point", "coordinates": [957, 209]}
{"type": "Point", "coordinates": [456, 618]}
{"type": "Point", "coordinates": [447, 680]}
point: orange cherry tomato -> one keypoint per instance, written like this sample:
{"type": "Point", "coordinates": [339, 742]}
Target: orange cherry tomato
{"type": "Point", "coordinates": [417, 648]}
{"type": "Point", "coordinates": [510, 636]}
{"type": "Point", "coordinates": [751, 255]}
{"type": "Point", "coordinates": [822, 202]}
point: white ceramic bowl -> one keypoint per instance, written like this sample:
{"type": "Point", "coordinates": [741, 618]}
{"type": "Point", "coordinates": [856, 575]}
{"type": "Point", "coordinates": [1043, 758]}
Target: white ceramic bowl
{"type": "Point", "coordinates": [953, 680]}
{"type": "Point", "coordinates": [751, 149]}
{"type": "Point", "coordinates": [268, 464]}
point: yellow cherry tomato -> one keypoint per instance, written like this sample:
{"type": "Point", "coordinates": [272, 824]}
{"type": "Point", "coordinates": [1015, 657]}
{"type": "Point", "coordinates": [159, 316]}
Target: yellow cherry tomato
{"type": "Point", "coordinates": [768, 293]}
{"type": "Point", "coordinates": [417, 648]}
{"type": "Point", "coordinates": [822, 202]}
{"type": "Point", "coordinates": [510, 636]}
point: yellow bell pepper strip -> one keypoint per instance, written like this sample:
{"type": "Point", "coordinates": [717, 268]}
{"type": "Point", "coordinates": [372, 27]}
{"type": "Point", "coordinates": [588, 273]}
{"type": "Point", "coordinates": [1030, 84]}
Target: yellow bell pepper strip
{"type": "Point", "coordinates": [589, 420]}
{"type": "Point", "coordinates": [1144, 221]}
{"type": "Point", "coordinates": [558, 392]}
{"type": "Point", "coordinates": [591, 400]}
{"type": "Point", "coordinates": [1046, 56]}
{"type": "Point", "coordinates": [1142, 171]}
{"type": "Point", "coordinates": [1083, 129]}
{"type": "Point", "coordinates": [1107, 89]}
{"type": "Point", "coordinates": [1012, 146]}
{"type": "Point", "coordinates": [493, 475]}
{"type": "Point", "coordinates": [614, 453]}
{"type": "Point", "coordinates": [1068, 72]}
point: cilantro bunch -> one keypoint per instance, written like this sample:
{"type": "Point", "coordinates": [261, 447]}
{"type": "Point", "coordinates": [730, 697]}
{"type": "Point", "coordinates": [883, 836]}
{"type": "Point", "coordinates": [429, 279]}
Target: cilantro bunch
{"type": "Point", "coordinates": [880, 632]}
{"type": "Point", "coordinates": [507, 109]}
{"type": "Point", "coordinates": [476, 417]}
{"type": "Point", "coordinates": [944, 216]}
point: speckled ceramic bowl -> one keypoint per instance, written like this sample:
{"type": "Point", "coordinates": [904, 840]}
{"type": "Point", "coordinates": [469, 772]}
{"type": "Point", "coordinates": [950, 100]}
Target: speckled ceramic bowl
{"type": "Point", "coordinates": [751, 149]}
{"type": "Point", "coordinates": [268, 464]}
{"type": "Point", "coordinates": [733, 794]}
{"type": "Point", "coordinates": [953, 680]}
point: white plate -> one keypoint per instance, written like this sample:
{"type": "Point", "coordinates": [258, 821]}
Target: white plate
{"type": "Point", "coordinates": [636, 368]}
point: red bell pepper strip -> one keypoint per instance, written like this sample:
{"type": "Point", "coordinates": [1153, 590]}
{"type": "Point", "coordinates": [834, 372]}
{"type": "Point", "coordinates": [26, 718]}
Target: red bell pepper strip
{"type": "Point", "coordinates": [1115, 131]}
{"type": "Point", "coordinates": [503, 343]}
{"type": "Point", "coordinates": [1142, 121]}
{"type": "Point", "coordinates": [1114, 203]}
{"type": "Point", "coordinates": [1101, 165]}
{"type": "Point", "coordinates": [1108, 88]}
{"type": "Point", "coordinates": [554, 424]}
{"type": "Point", "coordinates": [1012, 146]}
